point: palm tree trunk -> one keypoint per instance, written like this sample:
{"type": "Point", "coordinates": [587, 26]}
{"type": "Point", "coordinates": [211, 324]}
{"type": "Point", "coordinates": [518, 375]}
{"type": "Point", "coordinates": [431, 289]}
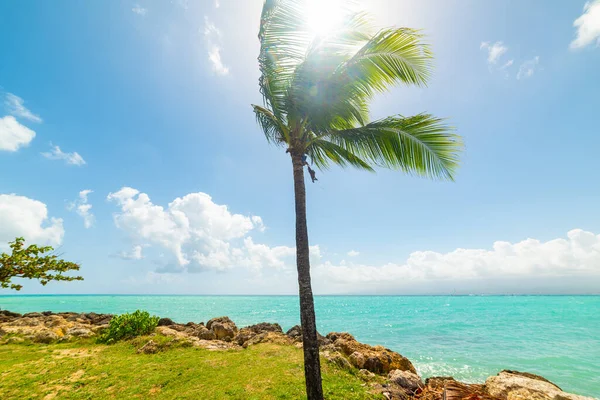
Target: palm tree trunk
{"type": "Point", "coordinates": [312, 365]}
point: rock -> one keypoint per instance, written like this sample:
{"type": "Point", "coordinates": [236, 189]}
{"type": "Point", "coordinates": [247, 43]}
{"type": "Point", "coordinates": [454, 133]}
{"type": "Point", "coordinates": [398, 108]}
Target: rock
{"type": "Point", "coordinates": [295, 333]}
{"type": "Point", "coordinates": [357, 359]}
{"type": "Point", "coordinates": [45, 337]}
{"type": "Point", "coordinates": [98, 319]}
{"type": "Point", "coordinates": [374, 364]}
{"type": "Point", "coordinates": [202, 333]}
{"type": "Point", "coordinates": [178, 327]}
{"type": "Point", "coordinates": [105, 320]}
{"type": "Point", "coordinates": [215, 345]}
{"type": "Point", "coordinates": [438, 382]}
{"type": "Point", "coordinates": [514, 385]}
{"type": "Point", "coordinates": [338, 359]}
{"type": "Point", "coordinates": [366, 375]}
{"type": "Point", "coordinates": [80, 332]}
{"type": "Point", "coordinates": [264, 327]}
{"type": "Point", "coordinates": [10, 314]}
{"type": "Point", "coordinates": [207, 335]}
{"type": "Point", "coordinates": [378, 359]}
{"type": "Point", "coordinates": [244, 335]}
{"type": "Point", "coordinates": [222, 320]}
{"type": "Point", "coordinates": [33, 315]}
{"type": "Point", "coordinates": [224, 328]}
{"type": "Point", "coordinates": [26, 321]}
{"type": "Point", "coordinates": [165, 322]}
{"type": "Point", "coordinates": [406, 380]}
{"type": "Point", "coordinates": [170, 332]}
{"type": "Point", "coordinates": [47, 313]}
{"type": "Point", "coordinates": [268, 337]}
{"type": "Point", "coordinates": [54, 321]}
{"type": "Point", "coordinates": [149, 348]}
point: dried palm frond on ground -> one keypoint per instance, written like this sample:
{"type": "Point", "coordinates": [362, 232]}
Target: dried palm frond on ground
{"type": "Point", "coordinates": [439, 388]}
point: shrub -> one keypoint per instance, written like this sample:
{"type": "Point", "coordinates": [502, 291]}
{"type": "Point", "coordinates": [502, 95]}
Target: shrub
{"type": "Point", "coordinates": [127, 326]}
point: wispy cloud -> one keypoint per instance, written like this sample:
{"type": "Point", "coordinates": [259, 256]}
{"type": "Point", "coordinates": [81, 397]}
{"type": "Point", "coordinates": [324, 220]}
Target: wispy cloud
{"type": "Point", "coordinates": [56, 153]}
{"type": "Point", "coordinates": [588, 26]}
{"type": "Point", "coordinates": [214, 55]}
{"type": "Point", "coordinates": [353, 253]}
{"type": "Point", "coordinates": [528, 68]}
{"type": "Point", "coordinates": [494, 51]}
{"type": "Point", "coordinates": [507, 64]}
{"type": "Point", "coordinates": [16, 107]}
{"type": "Point", "coordinates": [217, 4]}
{"type": "Point", "coordinates": [212, 36]}
{"type": "Point", "coordinates": [139, 10]}
{"type": "Point", "coordinates": [83, 208]}
{"type": "Point", "coordinates": [134, 254]}
{"type": "Point", "coordinates": [13, 135]}
{"type": "Point", "coordinates": [504, 68]}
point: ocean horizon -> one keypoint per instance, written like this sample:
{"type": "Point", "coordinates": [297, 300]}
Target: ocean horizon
{"type": "Point", "coordinates": [469, 337]}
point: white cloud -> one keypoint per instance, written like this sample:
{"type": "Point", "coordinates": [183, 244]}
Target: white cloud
{"type": "Point", "coordinates": [192, 228]}
{"type": "Point", "coordinates": [70, 158]}
{"type": "Point", "coordinates": [528, 68]}
{"type": "Point", "coordinates": [16, 106]}
{"type": "Point", "coordinates": [495, 51]}
{"type": "Point", "coordinates": [529, 261]}
{"type": "Point", "coordinates": [353, 253]}
{"type": "Point", "coordinates": [139, 10]}
{"type": "Point", "coordinates": [13, 135]}
{"type": "Point", "coordinates": [22, 216]}
{"type": "Point", "coordinates": [83, 208]}
{"type": "Point", "coordinates": [588, 26]}
{"type": "Point", "coordinates": [212, 37]}
{"type": "Point", "coordinates": [210, 29]}
{"type": "Point", "coordinates": [217, 4]}
{"type": "Point", "coordinates": [134, 254]}
{"type": "Point", "coordinates": [214, 56]}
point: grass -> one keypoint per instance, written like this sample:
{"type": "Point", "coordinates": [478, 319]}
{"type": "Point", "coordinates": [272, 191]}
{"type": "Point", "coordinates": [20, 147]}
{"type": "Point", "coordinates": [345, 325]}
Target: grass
{"type": "Point", "coordinates": [86, 370]}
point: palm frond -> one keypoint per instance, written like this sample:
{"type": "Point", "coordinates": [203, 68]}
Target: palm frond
{"type": "Point", "coordinates": [421, 144]}
{"type": "Point", "coordinates": [275, 131]}
{"type": "Point", "coordinates": [321, 152]}
{"type": "Point", "coordinates": [392, 56]}
{"type": "Point", "coordinates": [334, 86]}
{"type": "Point", "coordinates": [283, 43]}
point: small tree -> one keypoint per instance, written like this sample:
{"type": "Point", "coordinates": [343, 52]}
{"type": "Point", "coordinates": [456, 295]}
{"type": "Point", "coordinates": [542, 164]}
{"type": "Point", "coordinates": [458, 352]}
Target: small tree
{"type": "Point", "coordinates": [31, 263]}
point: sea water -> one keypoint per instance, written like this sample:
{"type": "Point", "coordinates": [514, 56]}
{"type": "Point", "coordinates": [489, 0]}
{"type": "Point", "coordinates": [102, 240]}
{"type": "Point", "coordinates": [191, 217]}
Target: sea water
{"type": "Point", "coordinates": [467, 337]}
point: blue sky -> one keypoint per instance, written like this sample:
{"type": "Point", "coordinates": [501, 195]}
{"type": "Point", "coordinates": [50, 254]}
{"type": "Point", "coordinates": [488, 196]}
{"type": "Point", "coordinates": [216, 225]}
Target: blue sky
{"type": "Point", "coordinates": [155, 96]}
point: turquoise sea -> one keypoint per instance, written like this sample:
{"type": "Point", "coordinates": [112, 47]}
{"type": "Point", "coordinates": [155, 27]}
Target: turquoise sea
{"type": "Point", "coordinates": [468, 337]}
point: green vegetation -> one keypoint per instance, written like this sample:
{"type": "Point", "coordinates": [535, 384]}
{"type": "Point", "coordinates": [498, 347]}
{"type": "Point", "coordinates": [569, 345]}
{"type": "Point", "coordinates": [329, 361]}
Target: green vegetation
{"type": "Point", "coordinates": [86, 370]}
{"type": "Point", "coordinates": [316, 93]}
{"type": "Point", "coordinates": [127, 326]}
{"type": "Point", "coordinates": [31, 263]}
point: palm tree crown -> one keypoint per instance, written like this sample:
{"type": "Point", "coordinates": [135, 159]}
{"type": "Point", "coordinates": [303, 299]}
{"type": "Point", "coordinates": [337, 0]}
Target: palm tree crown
{"type": "Point", "coordinates": [316, 93]}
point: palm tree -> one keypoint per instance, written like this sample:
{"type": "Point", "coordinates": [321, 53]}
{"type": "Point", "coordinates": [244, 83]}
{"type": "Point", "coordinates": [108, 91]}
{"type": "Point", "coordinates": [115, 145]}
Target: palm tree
{"type": "Point", "coordinates": [316, 92]}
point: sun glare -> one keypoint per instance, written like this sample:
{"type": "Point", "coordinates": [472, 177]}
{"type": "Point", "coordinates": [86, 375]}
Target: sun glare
{"type": "Point", "coordinates": [324, 16]}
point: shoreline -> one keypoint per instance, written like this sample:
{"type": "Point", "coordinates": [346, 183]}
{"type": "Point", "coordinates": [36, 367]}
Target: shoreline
{"type": "Point", "coordinates": [341, 349]}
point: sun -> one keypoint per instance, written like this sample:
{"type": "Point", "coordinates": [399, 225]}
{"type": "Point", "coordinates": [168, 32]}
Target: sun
{"type": "Point", "coordinates": [324, 16]}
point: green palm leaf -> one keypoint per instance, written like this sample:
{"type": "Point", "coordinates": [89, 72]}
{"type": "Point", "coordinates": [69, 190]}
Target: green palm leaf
{"type": "Point", "coordinates": [317, 90]}
{"type": "Point", "coordinates": [421, 145]}
{"type": "Point", "coordinates": [322, 152]}
{"type": "Point", "coordinates": [275, 131]}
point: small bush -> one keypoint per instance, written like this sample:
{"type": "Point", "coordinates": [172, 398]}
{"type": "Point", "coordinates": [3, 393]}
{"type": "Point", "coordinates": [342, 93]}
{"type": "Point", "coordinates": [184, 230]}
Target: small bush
{"type": "Point", "coordinates": [127, 326]}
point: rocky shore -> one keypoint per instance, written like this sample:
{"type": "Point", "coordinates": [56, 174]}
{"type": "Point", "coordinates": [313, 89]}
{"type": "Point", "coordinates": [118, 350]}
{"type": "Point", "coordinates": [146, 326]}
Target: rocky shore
{"type": "Point", "coordinates": [383, 370]}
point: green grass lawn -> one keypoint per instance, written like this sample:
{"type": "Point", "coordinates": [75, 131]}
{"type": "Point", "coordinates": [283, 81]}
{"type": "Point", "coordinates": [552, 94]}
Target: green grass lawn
{"type": "Point", "coordinates": [85, 370]}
